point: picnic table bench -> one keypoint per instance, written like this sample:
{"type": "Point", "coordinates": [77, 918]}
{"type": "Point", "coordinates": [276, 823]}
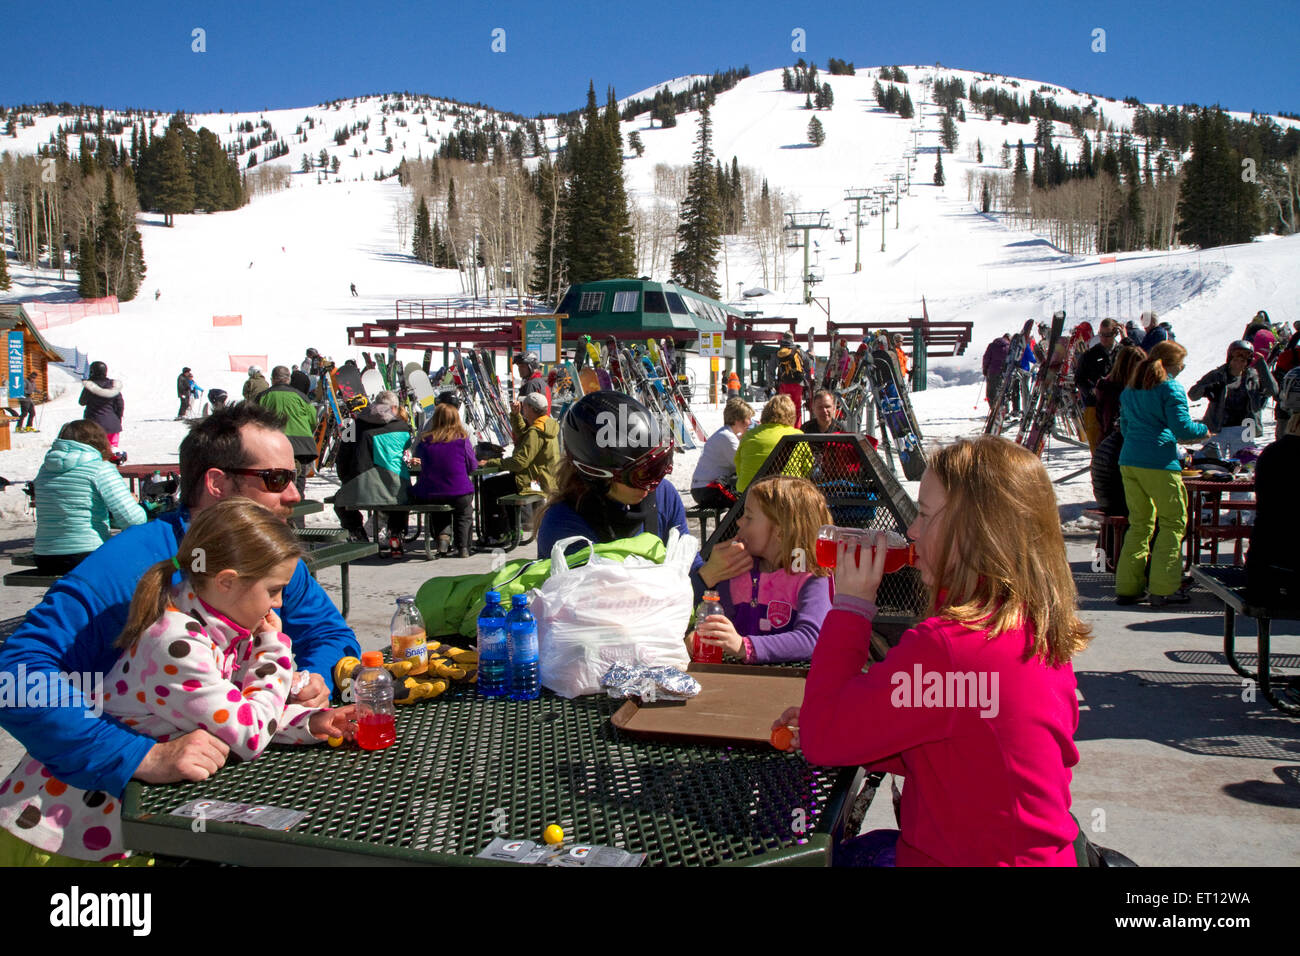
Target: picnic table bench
{"type": "Point", "coordinates": [1228, 584]}
{"type": "Point", "coordinates": [340, 554]}
{"type": "Point", "coordinates": [466, 769]}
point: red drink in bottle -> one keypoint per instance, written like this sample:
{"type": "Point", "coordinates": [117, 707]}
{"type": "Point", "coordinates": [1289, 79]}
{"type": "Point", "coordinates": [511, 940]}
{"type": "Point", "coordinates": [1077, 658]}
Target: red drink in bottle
{"type": "Point", "coordinates": [898, 550]}
{"type": "Point", "coordinates": [702, 652]}
{"type": "Point", "coordinates": [376, 731]}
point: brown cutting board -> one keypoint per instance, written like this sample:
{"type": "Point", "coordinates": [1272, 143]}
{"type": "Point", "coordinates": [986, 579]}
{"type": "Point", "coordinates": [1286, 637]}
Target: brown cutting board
{"type": "Point", "coordinates": [736, 705]}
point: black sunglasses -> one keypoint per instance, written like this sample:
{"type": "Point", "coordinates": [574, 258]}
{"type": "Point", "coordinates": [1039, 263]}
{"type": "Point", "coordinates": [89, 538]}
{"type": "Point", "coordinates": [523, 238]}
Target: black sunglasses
{"type": "Point", "coordinates": [273, 479]}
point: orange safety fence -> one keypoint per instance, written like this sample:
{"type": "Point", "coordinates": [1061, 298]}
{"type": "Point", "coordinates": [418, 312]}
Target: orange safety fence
{"type": "Point", "coordinates": [224, 320]}
{"type": "Point", "coordinates": [46, 315]}
{"type": "Point", "coordinates": [240, 363]}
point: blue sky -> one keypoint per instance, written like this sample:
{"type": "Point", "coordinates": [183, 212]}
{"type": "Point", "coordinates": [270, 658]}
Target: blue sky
{"type": "Point", "coordinates": [288, 54]}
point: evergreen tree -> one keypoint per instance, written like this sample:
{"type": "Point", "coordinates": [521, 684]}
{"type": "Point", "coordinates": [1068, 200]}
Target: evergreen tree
{"type": "Point", "coordinates": [1039, 177]}
{"type": "Point", "coordinates": [638, 147]}
{"type": "Point", "coordinates": [4, 268]}
{"type": "Point", "coordinates": [938, 168]}
{"type": "Point", "coordinates": [979, 152]}
{"type": "Point", "coordinates": [905, 108]}
{"type": "Point", "coordinates": [1215, 207]}
{"type": "Point", "coordinates": [306, 163]}
{"type": "Point", "coordinates": [598, 240]}
{"type": "Point", "coordinates": [695, 264]}
{"type": "Point", "coordinates": [88, 287]}
{"type": "Point", "coordinates": [879, 93]}
{"type": "Point", "coordinates": [948, 132]}
{"type": "Point", "coordinates": [816, 135]}
{"type": "Point", "coordinates": [175, 186]}
{"type": "Point", "coordinates": [807, 101]}
{"type": "Point", "coordinates": [422, 235]}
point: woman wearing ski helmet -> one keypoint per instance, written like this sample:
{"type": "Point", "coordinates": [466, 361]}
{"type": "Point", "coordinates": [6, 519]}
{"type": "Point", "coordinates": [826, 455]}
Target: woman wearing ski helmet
{"type": "Point", "coordinates": [611, 482]}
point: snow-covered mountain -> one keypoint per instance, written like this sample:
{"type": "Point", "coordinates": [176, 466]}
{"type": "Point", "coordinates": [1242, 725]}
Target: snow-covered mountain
{"type": "Point", "coordinates": [284, 262]}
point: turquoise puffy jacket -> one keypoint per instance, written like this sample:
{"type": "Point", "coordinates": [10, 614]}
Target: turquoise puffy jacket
{"type": "Point", "coordinates": [76, 492]}
{"type": "Point", "coordinates": [1153, 422]}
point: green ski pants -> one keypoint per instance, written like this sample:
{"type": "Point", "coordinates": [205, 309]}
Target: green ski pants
{"type": "Point", "coordinates": [1152, 493]}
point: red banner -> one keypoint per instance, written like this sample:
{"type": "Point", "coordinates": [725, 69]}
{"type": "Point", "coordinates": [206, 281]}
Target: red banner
{"type": "Point", "coordinates": [240, 363]}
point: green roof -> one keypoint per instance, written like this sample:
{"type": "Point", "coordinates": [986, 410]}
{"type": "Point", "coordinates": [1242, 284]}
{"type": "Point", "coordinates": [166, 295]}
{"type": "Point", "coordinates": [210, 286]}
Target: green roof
{"type": "Point", "coordinates": [622, 305]}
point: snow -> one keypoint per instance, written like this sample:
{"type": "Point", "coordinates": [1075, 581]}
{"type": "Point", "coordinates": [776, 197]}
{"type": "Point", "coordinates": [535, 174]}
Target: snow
{"type": "Point", "coordinates": [306, 245]}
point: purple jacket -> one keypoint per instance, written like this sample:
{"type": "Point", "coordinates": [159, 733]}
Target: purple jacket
{"type": "Point", "coordinates": [783, 622]}
{"type": "Point", "coordinates": [445, 468]}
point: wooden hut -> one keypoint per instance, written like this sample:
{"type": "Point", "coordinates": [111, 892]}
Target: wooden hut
{"type": "Point", "coordinates": [37, 356]}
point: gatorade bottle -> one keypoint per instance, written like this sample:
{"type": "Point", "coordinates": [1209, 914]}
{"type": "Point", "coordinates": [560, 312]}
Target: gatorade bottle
{"type": "Point", "coordinates": [493, 647]}
{"type": "Point", "coordinates": [372, 689]}
{"type": "Point", "coordinates": [409, 640]}
{"type": "Point", "coordinates": [700, 651]}
{"type": "Point", "coordinates": [524, 677]}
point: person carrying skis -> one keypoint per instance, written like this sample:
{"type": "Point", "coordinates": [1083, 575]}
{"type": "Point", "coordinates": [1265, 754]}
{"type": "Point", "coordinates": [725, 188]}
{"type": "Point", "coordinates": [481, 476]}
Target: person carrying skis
{"type": "Point", "coordinates": [185, 392]}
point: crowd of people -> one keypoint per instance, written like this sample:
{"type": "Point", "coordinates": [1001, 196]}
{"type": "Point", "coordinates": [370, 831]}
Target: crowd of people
{"type": "Point", "coordinates": [986, 784]}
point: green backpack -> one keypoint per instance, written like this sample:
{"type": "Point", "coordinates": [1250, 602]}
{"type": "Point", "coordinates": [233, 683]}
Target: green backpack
{"type": "Point", "coordinates": [451, 605]}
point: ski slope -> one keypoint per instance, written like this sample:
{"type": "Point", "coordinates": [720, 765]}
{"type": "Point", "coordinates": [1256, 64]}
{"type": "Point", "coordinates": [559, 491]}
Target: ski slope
{"type": "Point", "coordinates": [285, 261]}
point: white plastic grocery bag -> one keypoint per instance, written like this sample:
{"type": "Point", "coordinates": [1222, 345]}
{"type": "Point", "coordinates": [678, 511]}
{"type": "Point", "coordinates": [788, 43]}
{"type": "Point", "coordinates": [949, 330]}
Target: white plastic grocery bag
{"type": "Point", "coordinates": [610, 612]}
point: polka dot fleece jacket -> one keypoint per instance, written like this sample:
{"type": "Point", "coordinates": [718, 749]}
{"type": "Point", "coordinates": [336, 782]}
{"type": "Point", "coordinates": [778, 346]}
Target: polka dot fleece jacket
{"type": "Point", "coordinates": [192, 669]}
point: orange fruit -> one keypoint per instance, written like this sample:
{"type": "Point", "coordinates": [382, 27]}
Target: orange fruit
{"type": "Point", "coordinates": [783, 738]}
{"type": "Point", "coordinates": [553, 834]}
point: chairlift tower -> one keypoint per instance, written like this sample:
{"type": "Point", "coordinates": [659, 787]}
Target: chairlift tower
{"type": "Point", "coordinates": [897, 202]}
{"type": "Point", "coordinates": [856, 196]}
{"type": "Point", "coordinates": [806, 222]}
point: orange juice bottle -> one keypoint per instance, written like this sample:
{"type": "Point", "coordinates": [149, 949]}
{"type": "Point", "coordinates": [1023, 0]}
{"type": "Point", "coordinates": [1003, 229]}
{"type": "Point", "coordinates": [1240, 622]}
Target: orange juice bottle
{"type": "Point", "coordinates": [409, 640]}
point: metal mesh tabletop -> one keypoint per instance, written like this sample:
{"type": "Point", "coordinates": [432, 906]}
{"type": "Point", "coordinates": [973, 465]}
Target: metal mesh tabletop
{"type": "Point", "coordinates": [463, 764]}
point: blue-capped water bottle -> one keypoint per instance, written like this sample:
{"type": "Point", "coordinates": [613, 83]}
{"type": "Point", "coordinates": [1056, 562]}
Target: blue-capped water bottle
{"type": "Point", "coordinates": [525, 678]}
{"type": "Point", "coordinates": [493, 647]}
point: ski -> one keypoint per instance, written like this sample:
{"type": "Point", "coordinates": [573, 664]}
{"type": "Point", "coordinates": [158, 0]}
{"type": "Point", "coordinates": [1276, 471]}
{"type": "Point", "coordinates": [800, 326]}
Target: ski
{"type": "Point", "coordinates": [896, 410]}
{"type": "Point", "coordinates": [675, 391]}
{"type": "Point", "coordinates": [1037, 420]}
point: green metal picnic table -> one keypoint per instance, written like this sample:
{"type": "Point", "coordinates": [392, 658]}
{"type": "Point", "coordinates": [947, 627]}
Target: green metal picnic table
{"type": "Point", "coordinates": [466, 769]}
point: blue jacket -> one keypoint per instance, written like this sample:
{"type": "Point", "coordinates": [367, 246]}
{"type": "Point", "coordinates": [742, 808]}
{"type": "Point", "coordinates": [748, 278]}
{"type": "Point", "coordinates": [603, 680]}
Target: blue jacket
{"type": "Point", "coordinates": [1027, 358]}
{"type": "Point", "coordinates": [1153, 422]}
{"type": "Point", "coordinates": [73, 630]}
{"type": "Point", "coordinates": [561, 521]}
{"type": "Point", "coordinates": [1154, 337]}
{"type": "Point", "coordinates": [76, 491]}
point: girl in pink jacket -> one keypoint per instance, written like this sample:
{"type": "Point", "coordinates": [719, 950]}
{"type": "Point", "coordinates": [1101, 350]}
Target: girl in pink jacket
{"type": "Point", "coordinates": [976, 705]}
{"type": "Point", "coordinates": [205, 654]}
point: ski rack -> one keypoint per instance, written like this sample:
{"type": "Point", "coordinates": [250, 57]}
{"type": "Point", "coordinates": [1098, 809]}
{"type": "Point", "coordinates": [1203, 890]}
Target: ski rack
{"type": "Point", "coordinates": [861, 492]}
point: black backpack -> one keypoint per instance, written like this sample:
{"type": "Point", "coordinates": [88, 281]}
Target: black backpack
{"type": "Point", "coordinates": [790, 366]}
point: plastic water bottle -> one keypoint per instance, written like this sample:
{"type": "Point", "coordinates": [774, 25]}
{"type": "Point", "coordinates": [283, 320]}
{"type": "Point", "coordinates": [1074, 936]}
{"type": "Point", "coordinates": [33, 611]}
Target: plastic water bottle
{"type": "Point", "coordinates": [410, 642]}
{"type": "Point", "coordinates": [700, 651]}
{"type": "Point", "coordinates": [372, 689]}
{"type": "Point", "coordinates": [493, 647]}
{"type": "Point", "coordinates": [525, 679]}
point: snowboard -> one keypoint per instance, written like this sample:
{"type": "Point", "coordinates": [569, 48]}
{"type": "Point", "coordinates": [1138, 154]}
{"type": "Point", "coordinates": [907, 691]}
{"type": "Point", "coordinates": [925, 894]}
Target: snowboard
{"type": "Point", "coordinates": [372, 381]}
{"type": "Point", "coordinates": [421, 388]}
{"type": "Point", "coordinates": [896, 412]}
{"type": "Point", "coordinates": [348, 387]}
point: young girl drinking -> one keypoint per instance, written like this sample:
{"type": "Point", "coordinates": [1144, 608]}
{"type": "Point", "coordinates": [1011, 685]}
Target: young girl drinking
{"type": "Point", "coordinates": [976, 705]}
{"type": "Point", "coordinates": [206, 653]}
{"type": "Point", "coordinates": [775, 608]}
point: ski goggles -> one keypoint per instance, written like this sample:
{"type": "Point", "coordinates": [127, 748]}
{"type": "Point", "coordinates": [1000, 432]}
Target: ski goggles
{"type": "Point", "coordinates": [645, 473]}
{"type": "Point", "coordinates": [273, 479]}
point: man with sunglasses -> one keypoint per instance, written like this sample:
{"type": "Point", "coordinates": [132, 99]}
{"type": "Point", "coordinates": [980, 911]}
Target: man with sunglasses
{"type": "Point", "coordinates": [238, 451]}
{"type": "Point", "coordinates": [1093, 367]}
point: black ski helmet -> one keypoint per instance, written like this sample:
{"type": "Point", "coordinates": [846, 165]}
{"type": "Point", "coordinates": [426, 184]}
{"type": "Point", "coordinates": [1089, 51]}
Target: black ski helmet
{"type": "Point", "coordinates": [97, 370]}
{"type": "Point", "coordinates": [610, 436]}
